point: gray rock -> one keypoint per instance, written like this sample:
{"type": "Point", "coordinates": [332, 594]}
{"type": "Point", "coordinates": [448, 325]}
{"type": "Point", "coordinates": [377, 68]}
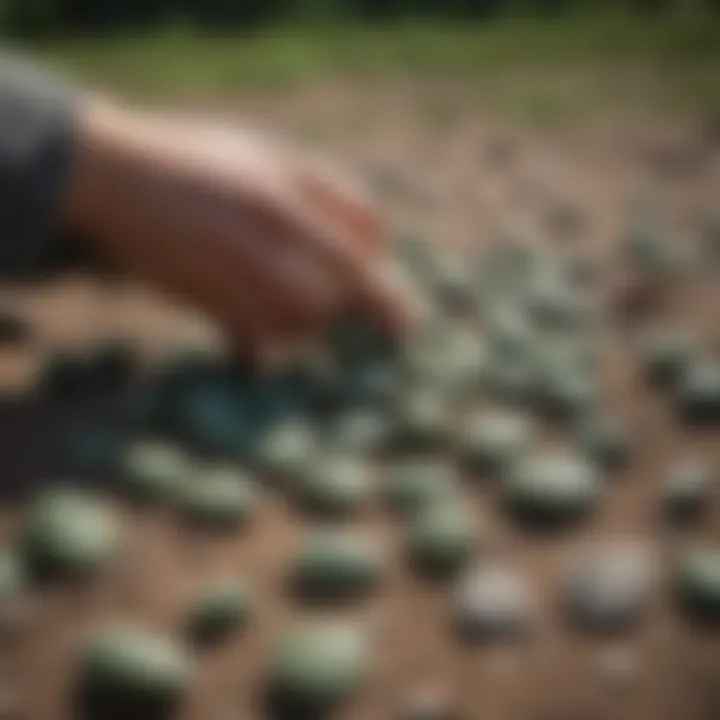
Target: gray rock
{"type": "Point", "coordinates": [609, 588]}
{"type": "Point", "coordinates": [493, 601]}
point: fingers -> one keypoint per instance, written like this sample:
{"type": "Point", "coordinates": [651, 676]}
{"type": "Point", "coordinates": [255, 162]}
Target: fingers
{"type": "Point", "coordinates": [345, 205]}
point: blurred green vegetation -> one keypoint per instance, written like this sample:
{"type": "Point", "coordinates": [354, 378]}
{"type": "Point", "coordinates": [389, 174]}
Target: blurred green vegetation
{"type": "Point", "coordinates": [555, 55]}
{"type": "Point", "coordinates": [38, 17]}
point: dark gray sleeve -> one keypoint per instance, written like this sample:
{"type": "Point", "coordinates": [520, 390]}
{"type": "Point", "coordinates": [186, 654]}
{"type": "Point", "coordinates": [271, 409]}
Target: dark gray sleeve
{"type": "Point", "coordinates": [37, 123]}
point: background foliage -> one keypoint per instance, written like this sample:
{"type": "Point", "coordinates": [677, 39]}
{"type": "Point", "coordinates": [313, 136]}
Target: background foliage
{"type": "Point", "coordinates": [41, 17]}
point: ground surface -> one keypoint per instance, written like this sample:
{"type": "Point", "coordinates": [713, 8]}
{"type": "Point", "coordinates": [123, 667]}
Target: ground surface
{"type": "Point", "coordinates": [457, 175]}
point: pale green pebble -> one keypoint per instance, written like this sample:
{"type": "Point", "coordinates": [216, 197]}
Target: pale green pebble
{"type": "Point", "coordinates": [442, 538]}
{"type": "Point", "coordinates": [285, 448]}
{"type": "Point", "coordinates": [334, 564]}
{"type": "Point", "coordinates": [130, 665]}
{"type": "Point", "coordinates": [412, 484]}
{"type": "Point", "coordinates": [697, 580]}
{"type": "Point", "coordinates": [553, 487]}
{"type": "Point", "coordinates": [334, 485]}
{"type": "Point", "coordinates": [492, 441]}
{"type": "Point", "coordinates": [320, 664]}
{"type": "Point", "coordinates": [219, 498]}
{"type": "Point", "coordinates": [153, 471]}
{"type": "Point", "coordinates": [69, 533]}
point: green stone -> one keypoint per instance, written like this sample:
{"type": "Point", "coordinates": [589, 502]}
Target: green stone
{"type": "Point", "coordinates": [606, 441]}
{"type": "Point", "coordinates": [568, 394]}
{"type": "Point", "coordinates": [128, 668]}
{"type": "Point", "coordinates": [221, 610]}
{"type": "Point", "coordinates": [336, 564]}
{"type": "Point", "coordinates": [666, 352]}
{"type": "Point", "coordinates": [490, 442]}
{"type": "Point", "coordinates": [553, 305]}
{"type": "Point", "coordinates": [357, 432]}
{"type": "Point", "coordinates": [512, 379]}
{"type": "Point", "coordinates": [414, 484]}
{"type": "Point", "coordinates": [552, 487]}
{"type": "Point", "coordinates": [697, 579]}
{"type": "Point", "coordinates": [69, 534]}
{"type": "Point", "coordinates": [453, 286]}
{"type": "Point", "coordinates": [422, 420]}
{"type": "Point", "coordinates": [441, 538]}
{"type": "Point", "coordinates": [698, 390]}
{"type": "Point", "coordinates": [334, 486]}
{"type": "Point", "coordinates": [285, 449]}
{"type": "Point", "coordinates": [651, 251]}
{"type": "Point", "coordinates": [12, 576]}
{"type": "Point", "coordinates": [319, 665]}
{"type": "Point", "coordinates": [154, 471]}
{"type": "Point", "coordinates": [219, 499]}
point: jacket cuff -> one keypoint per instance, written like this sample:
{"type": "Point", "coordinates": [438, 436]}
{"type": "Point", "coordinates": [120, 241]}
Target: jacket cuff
{"type": "Point", "coordinates": [37, 129]}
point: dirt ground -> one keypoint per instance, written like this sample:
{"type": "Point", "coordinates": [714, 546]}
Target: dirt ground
{"type": "Point", "coordinates": [448, 171]}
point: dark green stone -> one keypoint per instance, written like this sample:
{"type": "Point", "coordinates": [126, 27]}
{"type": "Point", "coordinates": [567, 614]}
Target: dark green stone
{"type": "Point", "coordinates": [335, 565]}
{"type": "Point", "coordinates": [319, 665]}
{"type": "Point", "coordinates": [221, 610]}
{"type": "Point", "coordinates": [69, 534]}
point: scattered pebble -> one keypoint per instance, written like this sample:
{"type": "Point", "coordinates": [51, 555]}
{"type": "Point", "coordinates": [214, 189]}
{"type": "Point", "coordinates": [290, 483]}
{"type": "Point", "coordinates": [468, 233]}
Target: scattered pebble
{"type": "Point", "coordinates": [493, 601]}
{"type": "Point", "coordinates": [337, 564]}
{"type": "Point", "coordinates": [219, 611]}
{"type": "Point", "coordinates": [490, 442]}
{"type": "Point", "coordinates": [697, 579]}
{"type": "Point", "coordinates": [68, 534]}
{"type": "Point", "coordinates": [552, 488]}
{"type": "Point", "coordinates": [414, 484]}
{"type": "Point", "coordinates": [609, 588]}
{"type": "Point", "coordinates": [334, 486]}
{"type": "Point", "coordinates": [688, 488]}
{"type": "Point", "coordinates": [318, 665]}
{"type": "Point", "coordinates": [126, 667]}
{"type": "Point", "coordinates": [217, 499]}
{"type": "Point", "coordinates": [442, 538]}
{"type": "Point", "coordinates": [154, 471]}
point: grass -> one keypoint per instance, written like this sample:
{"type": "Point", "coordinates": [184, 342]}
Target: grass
{"type": "Point", "coordinates": [681, 56]}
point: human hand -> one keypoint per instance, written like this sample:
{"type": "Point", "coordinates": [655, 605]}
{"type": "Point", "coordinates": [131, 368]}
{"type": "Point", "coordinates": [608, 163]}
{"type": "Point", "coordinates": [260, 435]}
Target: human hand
{"type": "Point", "coordinates": [268, 243]}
